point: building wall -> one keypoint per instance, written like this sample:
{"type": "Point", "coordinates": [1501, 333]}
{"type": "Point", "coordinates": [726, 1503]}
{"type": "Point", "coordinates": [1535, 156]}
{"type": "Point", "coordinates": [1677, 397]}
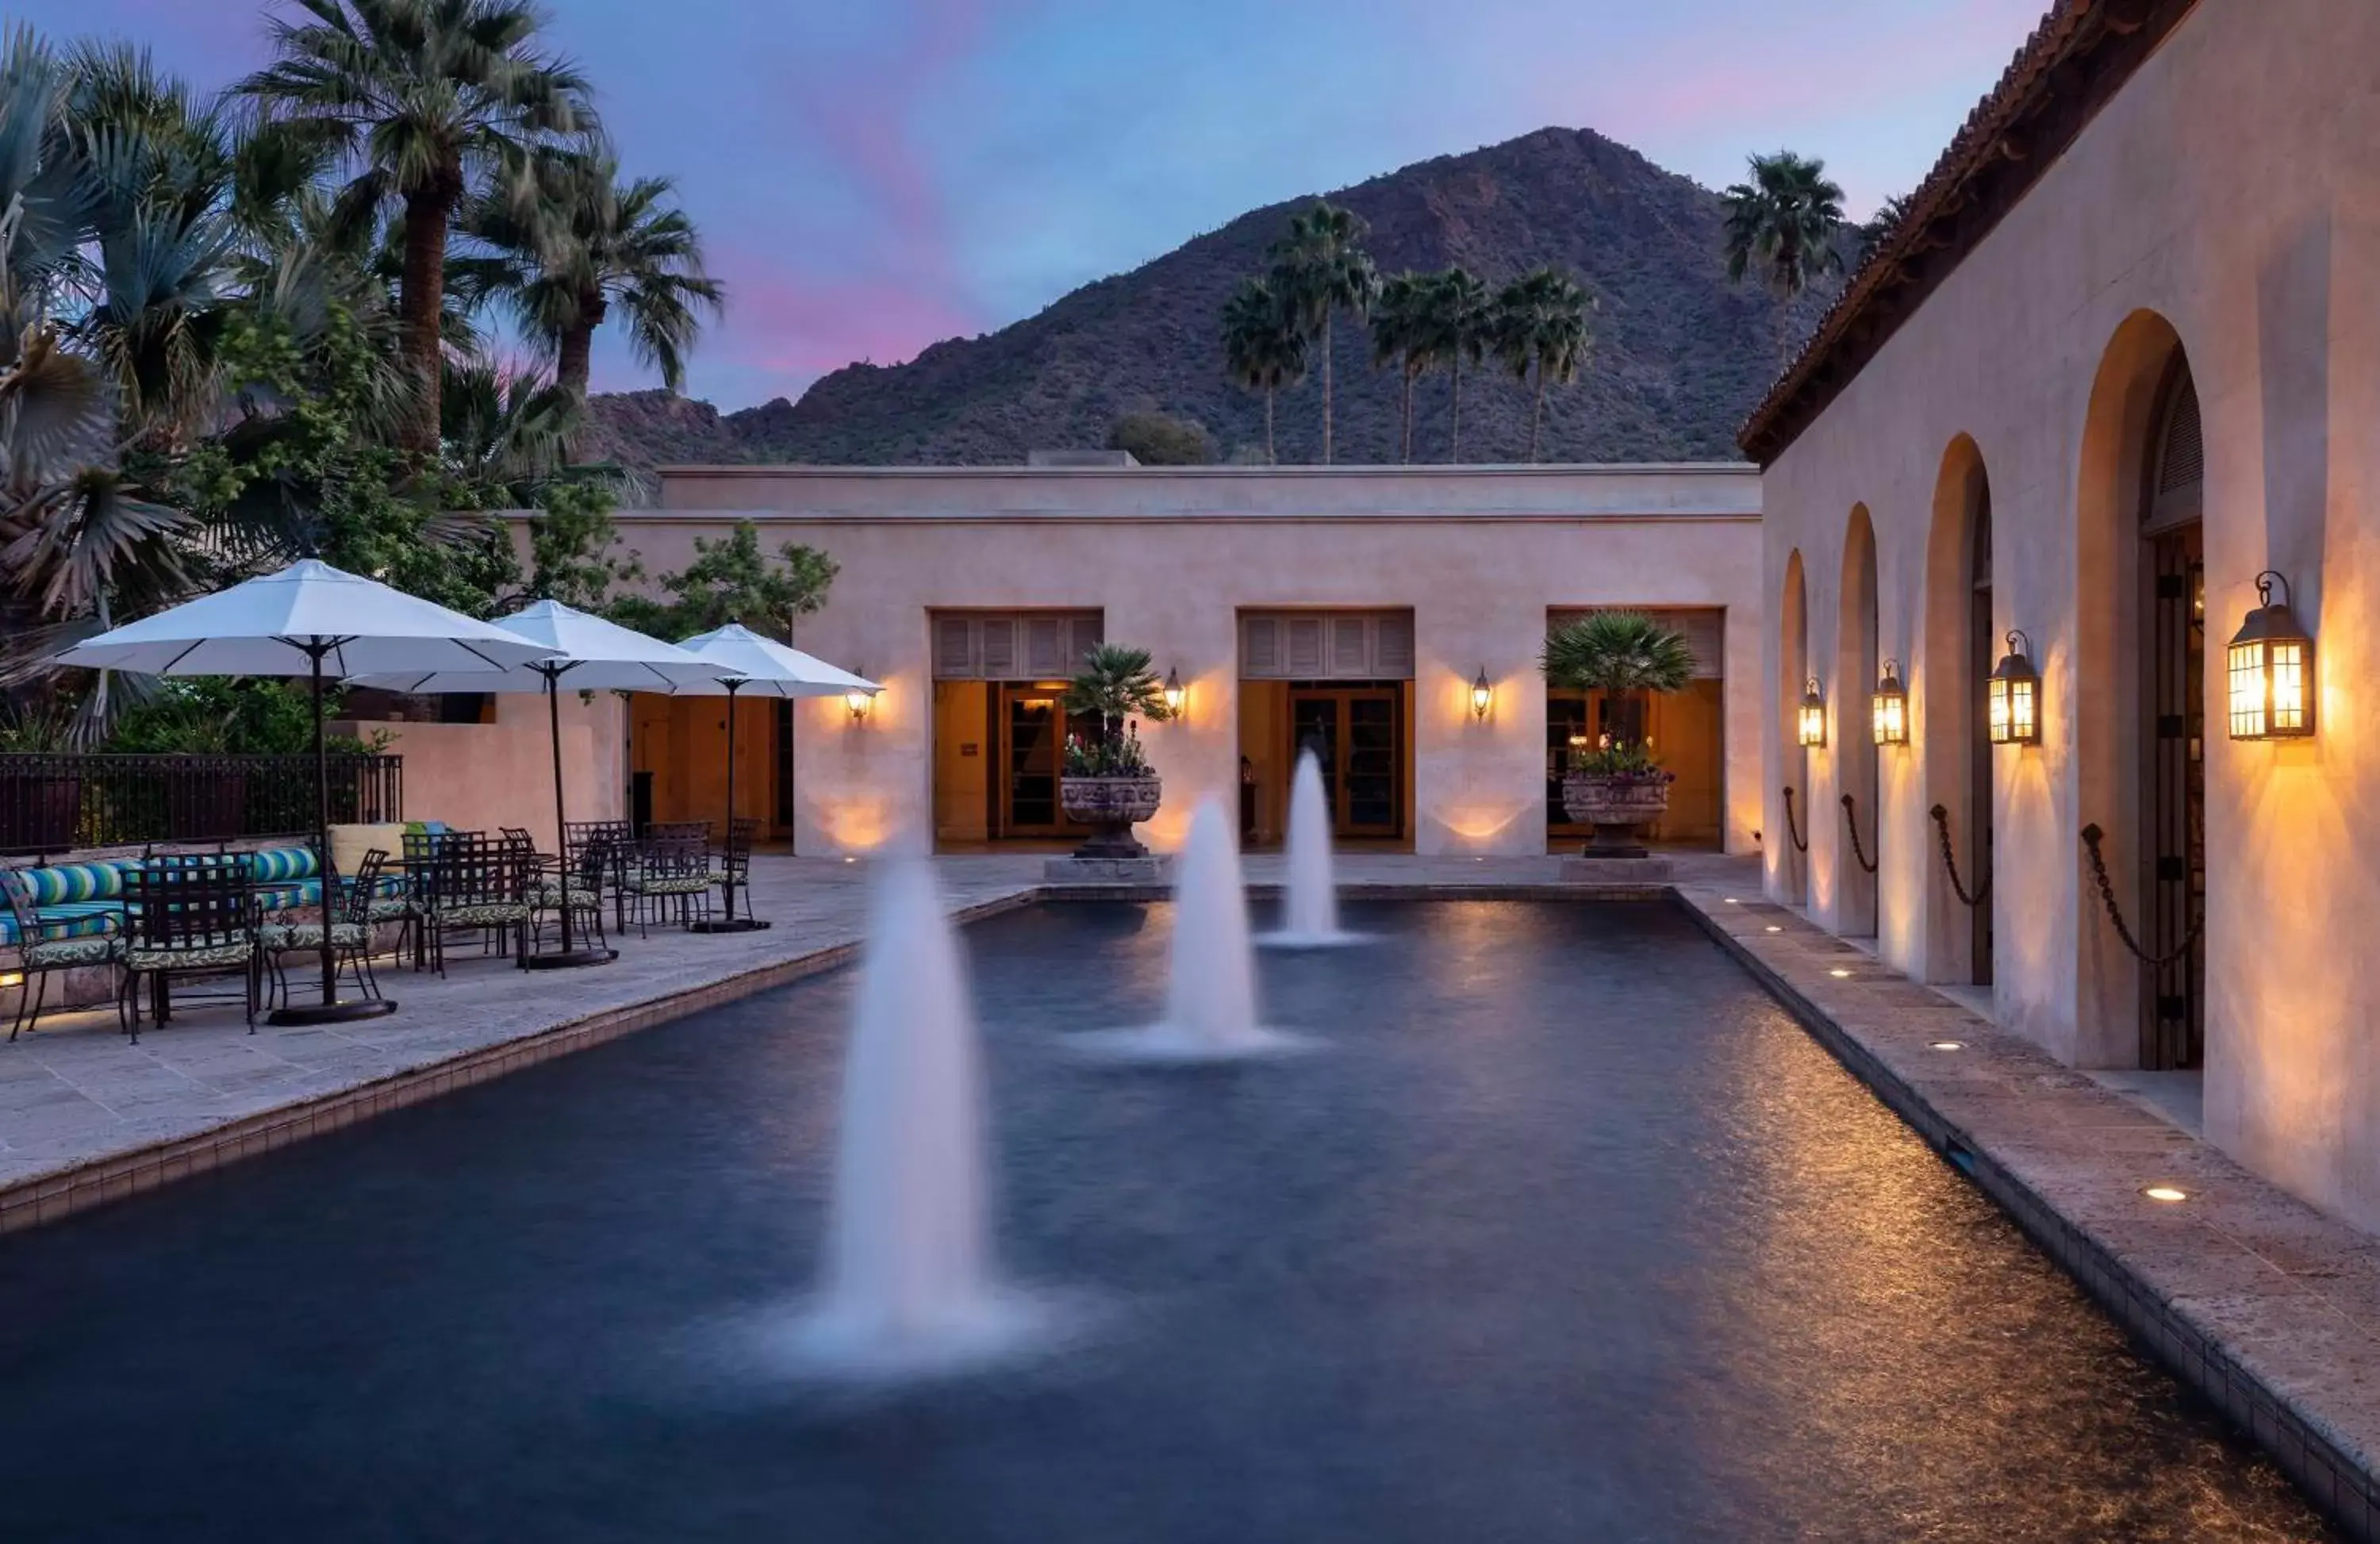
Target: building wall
{"type": "Point", "coordinates": [1171, 556]}
{"type": "Point", "coordinates": [485, 777]}
{"type": "Point", "coordinates": [2227, 196]}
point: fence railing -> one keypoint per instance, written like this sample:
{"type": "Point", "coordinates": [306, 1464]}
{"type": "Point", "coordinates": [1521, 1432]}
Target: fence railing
{"type": "Point", "coordinates": [56, 802]}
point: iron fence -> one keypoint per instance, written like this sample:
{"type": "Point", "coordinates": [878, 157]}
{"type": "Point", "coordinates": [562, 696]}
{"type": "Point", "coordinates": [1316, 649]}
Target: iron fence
{"type": "Point", "coordinates": [53, 804]}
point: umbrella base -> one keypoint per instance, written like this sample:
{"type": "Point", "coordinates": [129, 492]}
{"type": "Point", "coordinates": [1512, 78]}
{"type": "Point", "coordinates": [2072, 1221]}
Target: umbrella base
{"type": "Point", "coordinates": [727, 925]}
{"type": "Point", "coordinates": [570, 959]}
{"type": "Point", "coordinates": [347, 1011]}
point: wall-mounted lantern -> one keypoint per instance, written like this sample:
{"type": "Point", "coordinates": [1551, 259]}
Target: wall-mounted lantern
{"type": "Point", "coordinates": [2271, 667]}
{"type": "Point", "coordinates": [1812, 722]}
{"type": "Point", "coordinates": [2012, 695]}
{"type": "Point", "coordinates": [1177, 696]}
{"type": "Point", "coordinates": [1483, 696]}
{"type": "Point", "coordinates": [1888, 709]}
{"type": "Point", "coordinates": [859, 702]}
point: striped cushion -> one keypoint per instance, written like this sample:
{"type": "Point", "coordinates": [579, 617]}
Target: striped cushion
{"type": "Point", "coordinates": [73, 919]}
{"type": "Point", "coordinates": [274, 865]}
{"type": "Point", "coordinates": [74, 881]}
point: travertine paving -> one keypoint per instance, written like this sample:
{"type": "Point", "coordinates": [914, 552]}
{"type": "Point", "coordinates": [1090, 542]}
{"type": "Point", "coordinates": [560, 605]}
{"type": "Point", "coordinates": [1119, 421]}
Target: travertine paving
{"type": "Point", "coordinates": [2270, 1306]}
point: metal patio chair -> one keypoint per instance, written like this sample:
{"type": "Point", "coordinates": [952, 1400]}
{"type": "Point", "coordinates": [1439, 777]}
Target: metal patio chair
{"type": "Point", "coordinates": [192, 915]}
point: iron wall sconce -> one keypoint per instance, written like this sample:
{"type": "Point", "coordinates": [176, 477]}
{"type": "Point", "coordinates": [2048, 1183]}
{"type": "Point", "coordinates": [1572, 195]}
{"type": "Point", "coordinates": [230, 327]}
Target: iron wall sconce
{"type": "Point", "coordinates": [1812, 725]}
{"type": "Point", "coordinates": [859, 702]}
{"type": "Point", "coordinates": [1888, 709]}
{"type": "Point", "coordinates": [2012, 695]}
{"type": "Point", "coordinates": [2270, 661]}
{"type": "Point", "coordinates": [1177, 696]}
{"type": "Point", "coordinates": [1483, 696]}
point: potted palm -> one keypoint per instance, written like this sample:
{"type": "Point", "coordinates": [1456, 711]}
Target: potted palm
{"type": "Point", "coordinates": [1106, 783]}
{"type": "Point", "coordinates": [1615, 784]}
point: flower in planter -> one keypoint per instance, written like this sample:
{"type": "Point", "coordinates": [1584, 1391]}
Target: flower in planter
{"type": "Point", "coordinates": [1118, 686]}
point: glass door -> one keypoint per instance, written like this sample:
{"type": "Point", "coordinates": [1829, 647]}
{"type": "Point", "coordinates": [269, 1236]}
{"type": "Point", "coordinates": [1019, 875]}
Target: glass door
{"type": "Point", "coordinates": [1566, 721]}
{"type": "Point", "coordinates": [1357, 734]}
{"type": "Point", "coordinates": [2173, 1026]}
{"type": "Point", "coordinates": [1032, 743]}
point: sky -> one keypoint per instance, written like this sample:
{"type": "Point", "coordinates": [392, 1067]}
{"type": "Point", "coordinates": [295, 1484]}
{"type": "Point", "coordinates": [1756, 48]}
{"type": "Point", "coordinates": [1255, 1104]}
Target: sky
{"type": "Point", "coordinates": [871, 176]}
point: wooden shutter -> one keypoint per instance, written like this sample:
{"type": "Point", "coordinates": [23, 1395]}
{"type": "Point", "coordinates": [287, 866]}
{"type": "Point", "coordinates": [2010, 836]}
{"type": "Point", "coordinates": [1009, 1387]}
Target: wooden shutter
{"type": "Point", "coordinates": [1011, 646]}
{"type": "Point", "coordinates": [1327, 645]}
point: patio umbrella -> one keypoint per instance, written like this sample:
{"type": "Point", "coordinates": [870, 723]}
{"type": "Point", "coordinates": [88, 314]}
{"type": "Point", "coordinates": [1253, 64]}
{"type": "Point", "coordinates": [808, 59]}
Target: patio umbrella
{"type": "Point", "coordinates": [588, 653]}
{"type": "Point", "coordinates": [312, 620]}
{"type": "Point", "coordinates": [764, 668]}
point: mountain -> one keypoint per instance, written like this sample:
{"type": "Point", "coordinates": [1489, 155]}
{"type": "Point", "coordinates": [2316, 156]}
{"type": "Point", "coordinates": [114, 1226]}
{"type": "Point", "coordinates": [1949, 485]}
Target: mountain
{"type": "Point", "coordinates": [1680, 354]}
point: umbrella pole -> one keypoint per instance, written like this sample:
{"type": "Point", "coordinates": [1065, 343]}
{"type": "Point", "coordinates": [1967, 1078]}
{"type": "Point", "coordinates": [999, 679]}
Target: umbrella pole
{"type": "Point", "coordinates": [571, 955]}
{"type": "Point", "coordinates": [731, 923]}
{"type": "Point", "coordinates": [330, 1009]}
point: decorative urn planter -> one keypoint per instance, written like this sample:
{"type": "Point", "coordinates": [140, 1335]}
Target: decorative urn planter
{"type": "Point", "coordinates": [1110, 806]}
{"type": "Point", "coordinates": [1621, 810]}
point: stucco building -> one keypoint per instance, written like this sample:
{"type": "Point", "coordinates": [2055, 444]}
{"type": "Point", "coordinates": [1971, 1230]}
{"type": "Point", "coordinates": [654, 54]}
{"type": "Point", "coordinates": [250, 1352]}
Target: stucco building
{"type": "Point", "coordinates": [2121, 359]}
{"type": "Point", "coordinates": [1353, 608]}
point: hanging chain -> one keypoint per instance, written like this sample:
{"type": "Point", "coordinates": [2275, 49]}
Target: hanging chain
{"type": "Point", "coordinates": [1983, 890]}
{"type": "Point", "coordinates": [1792, 828]}
{"type": "Point", "coordinates": [2092, 836]}
{"type": "Point", "coordinates": [1851, 819]}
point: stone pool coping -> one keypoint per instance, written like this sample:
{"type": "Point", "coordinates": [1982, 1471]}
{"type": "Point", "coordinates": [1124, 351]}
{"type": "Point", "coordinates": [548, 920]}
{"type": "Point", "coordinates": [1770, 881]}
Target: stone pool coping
{"type": "Point", "coordinates": [2266, 1306]}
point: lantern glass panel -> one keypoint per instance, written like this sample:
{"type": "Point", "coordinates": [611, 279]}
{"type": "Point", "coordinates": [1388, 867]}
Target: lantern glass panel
{"type": "Point", "coordinates": [2245, 666]}
{"type": "Point", "coordinates": [2291, 708]}
{"type": "Point", "coordinates": [2023, 727]}
{"type": "Point", "coordinates": [1996, 702]}
{"type": "Point", "coordinates": [1891, 718]}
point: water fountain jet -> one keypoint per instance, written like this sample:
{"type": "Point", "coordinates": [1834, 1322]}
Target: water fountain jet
{"type": "Point", "coordinates": [1210, 1002]}
{"type": "Point", "coordinates": [1310, 899]}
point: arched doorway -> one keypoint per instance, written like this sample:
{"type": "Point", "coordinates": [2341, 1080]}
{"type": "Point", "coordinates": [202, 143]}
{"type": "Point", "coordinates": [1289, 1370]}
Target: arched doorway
{"type": "Point", "coordinates": [1856, 758]}
{"type": "Point", "coordinates": [1959, 645]}
{"type": "Point", "coordinates": [1793, 761]}
{"type": "Point", "coordinates": [2172, 654]}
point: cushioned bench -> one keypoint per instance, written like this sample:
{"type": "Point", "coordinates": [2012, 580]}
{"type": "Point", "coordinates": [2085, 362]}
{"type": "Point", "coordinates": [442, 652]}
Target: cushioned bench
{"type": "Point", "coordinates": [82, 895]}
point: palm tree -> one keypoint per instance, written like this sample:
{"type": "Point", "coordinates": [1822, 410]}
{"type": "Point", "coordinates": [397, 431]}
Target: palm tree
{"type": "Point", "coordinates": [1403, 334]}
{"type": "Point", "coordinates": [425, 102]}
{"type": "Point", "coordinates": [1320, 268]}
{"type": "Point", "coordinates": [1876, 226]}
{"type": "Point", "coordinates": [1785, 222]}
{"type": "Point", "coordinates": [1262, 347]}
{"type": "Point", "coordinates": [1621, 654]}
{"type": "Point", "coordinates": [1116, 684]}
{"type": "Point", "coordinates": [506, 432]}
{"type": "Point", "coordinates": [1540, 325]}
{"type": "Point", "coordinates": [1459, 314]}
{"type": "Point", "coordinates": [593, 242]}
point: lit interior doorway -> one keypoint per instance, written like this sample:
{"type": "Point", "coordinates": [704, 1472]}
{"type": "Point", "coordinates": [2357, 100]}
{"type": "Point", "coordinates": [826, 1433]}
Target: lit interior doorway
{"type": "Point", "coordinates": [1339, 683]}
{"type": "Point", "coordinates": [1000, 724]}
{"type": "Point", "coordinates": [1686, 729]}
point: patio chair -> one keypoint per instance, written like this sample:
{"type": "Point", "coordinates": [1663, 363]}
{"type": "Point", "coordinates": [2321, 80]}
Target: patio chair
{"type": "Point", "coordinates": [191, 916]}
{"type": "Point", "coordinates": [579, 885]}
{"type": "Point", "coordinates": [476, 885]}
{"type": "Point", "coordinates": [735, 859]}
{"type": "Point", "coordinates": [668, 872]}
{"type": "Point", "coordinates": [46, 944]}
{"type": "Point", "coordinates": [299, 933]}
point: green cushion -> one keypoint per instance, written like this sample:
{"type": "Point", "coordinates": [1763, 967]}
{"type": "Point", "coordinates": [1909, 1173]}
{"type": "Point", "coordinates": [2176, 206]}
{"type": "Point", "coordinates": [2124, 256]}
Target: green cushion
{"type": "Point", "coordinates": [71, 951]}
{"type": "Point", "coordinates": [275, 866]}
{"type": "Point", "coordinates": [670, 885]}
{"type": "Point", "coordinates": [392, 908]}
{"type": "Point", "coordinates": [486, 915]}
{"type": "Point", "coordinates": [190, 959]}
{"type": "Point", "coordinates": [308, 935]}
{"type": "Point", "coordinates": [547, 893]}
{"type": "Point", "coordinates": [65, 882]}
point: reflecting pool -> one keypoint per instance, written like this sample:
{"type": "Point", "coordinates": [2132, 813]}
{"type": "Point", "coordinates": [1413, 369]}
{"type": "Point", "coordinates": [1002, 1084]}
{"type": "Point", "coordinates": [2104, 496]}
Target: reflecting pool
{"type": "Point", "coordinates": [1568, 1233]}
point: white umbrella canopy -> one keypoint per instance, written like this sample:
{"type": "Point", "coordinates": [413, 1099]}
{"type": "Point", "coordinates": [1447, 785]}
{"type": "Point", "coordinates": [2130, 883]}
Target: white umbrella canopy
{"type": "Point", "coordinates": [766, 668]}
{"type": "Point", "coordinates": [309, 613]}
{"type": "Point", "coordinates": [312, 620]}
{"type": "Point", "coordinates": [591, 654]}
{"type": "Point", "coordinates": [588, 653]}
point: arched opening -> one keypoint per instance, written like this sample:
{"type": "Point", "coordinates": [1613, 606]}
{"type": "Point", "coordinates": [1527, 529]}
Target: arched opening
{"type": "Point", "coordinates": [1855, 760]}
{"type": "Point", "coordinates": [2141, 660]}
{"type": "Point", "coordinates": [1792, 760]}
{"type": "Point", "coordinates": [1950, 704]}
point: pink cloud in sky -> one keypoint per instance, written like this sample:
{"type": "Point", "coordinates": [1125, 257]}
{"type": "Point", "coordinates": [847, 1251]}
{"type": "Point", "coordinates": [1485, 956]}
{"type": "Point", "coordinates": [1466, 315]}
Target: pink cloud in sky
{"type": "Point", "coordinates": [801, 325]}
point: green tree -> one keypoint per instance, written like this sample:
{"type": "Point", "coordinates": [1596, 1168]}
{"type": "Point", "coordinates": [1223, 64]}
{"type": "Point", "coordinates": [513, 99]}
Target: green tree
{"type": "Point", "coordinates": [591, 249]}
{"type": "Point", "coordinates": [503, 434]}
{"type": "Point", "coordinates": [1116, 684]}
{"type": "Point", "coordinates": [1160, 440]}
{"type": "Point", "coordinates": [1459, 314]}
{"type": "Point", "coordinates": [732, 580]}
{"type": "Point", "coordinates": [1785, 223]}
{"type": "Point", "coordinates": [1875, 227]}
{"type": "Point", "coordinates": [573, 543]}
{"type": "Point", "coordinates": [1623, 654]}
{"type": "Point", "coordinates": [1320, 269]}
{"type": "Point", "coordinates": [1404, 333]}
{"type": "Point", "coordinates": [1263, 349]}
{"type": "Point", "coordinates": [1540, 327]}
{"type": "Point", "coordinates": [424, 101]}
